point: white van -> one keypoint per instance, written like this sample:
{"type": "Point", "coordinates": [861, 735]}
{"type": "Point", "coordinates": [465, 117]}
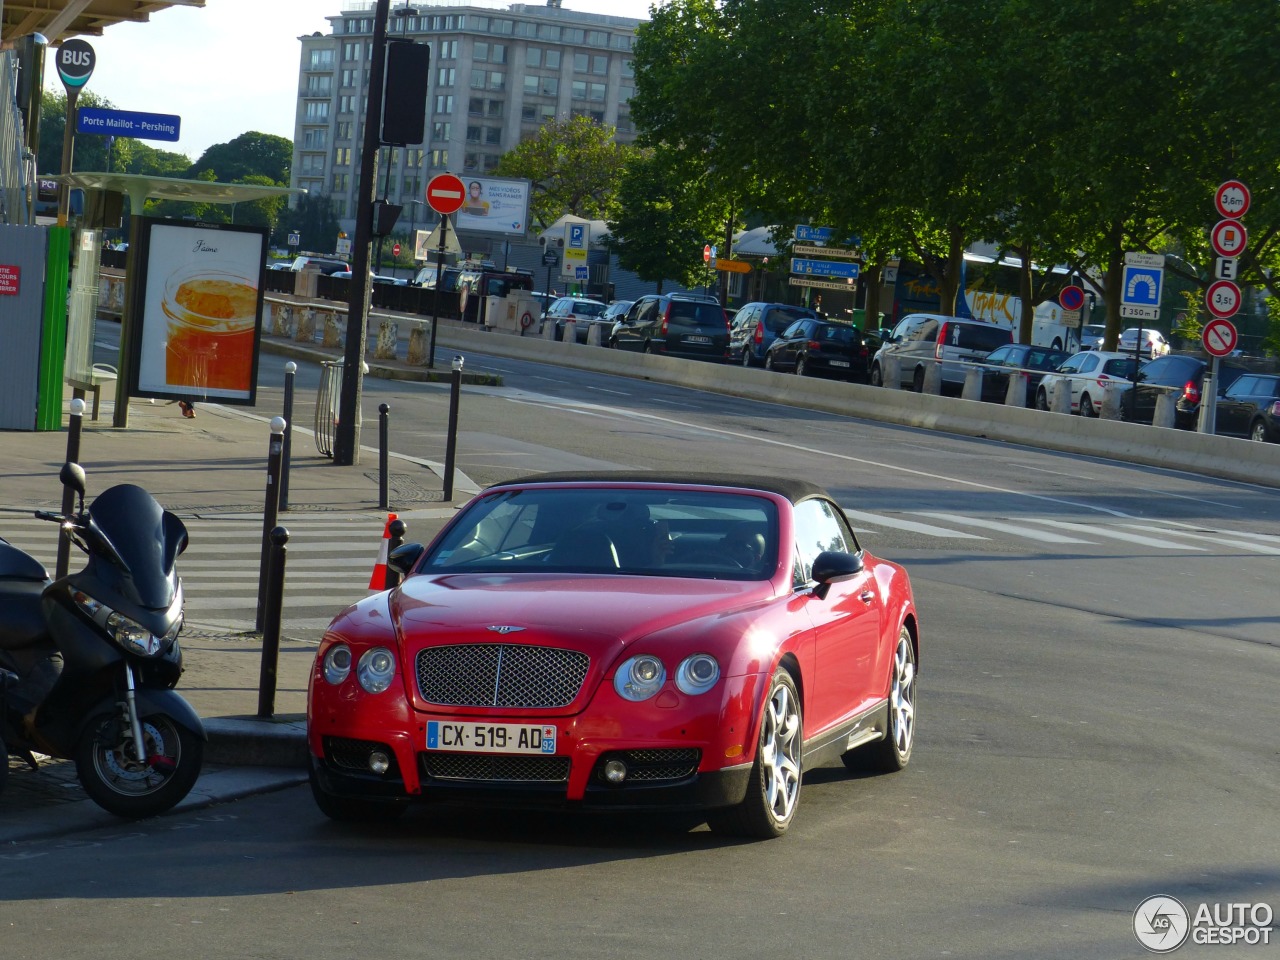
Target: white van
{"type": "Point", "coordinates": [921, 337]}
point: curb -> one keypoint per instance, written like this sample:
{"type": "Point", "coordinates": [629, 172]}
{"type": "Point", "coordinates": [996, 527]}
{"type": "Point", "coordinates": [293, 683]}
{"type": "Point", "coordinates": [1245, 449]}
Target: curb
{"type": "Point", "coordinates": [255, 742]}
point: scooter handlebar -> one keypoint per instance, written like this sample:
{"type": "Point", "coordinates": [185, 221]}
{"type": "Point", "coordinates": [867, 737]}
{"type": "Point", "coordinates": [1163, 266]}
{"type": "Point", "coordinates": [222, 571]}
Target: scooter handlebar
{"type": "Point", "coordinates": [46, 515]}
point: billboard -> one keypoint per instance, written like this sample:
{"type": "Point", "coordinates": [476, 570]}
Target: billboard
{"type": "Point", "coordinates": [494, 206]}
{"type": "Point", "coordinates": [199, 312]}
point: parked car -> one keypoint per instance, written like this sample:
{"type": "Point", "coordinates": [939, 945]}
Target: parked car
{"type": "Point", "coordinates": [813, 347]}
{"type": "Point", "coordinates": [1154, 343]}
{"type": "Point", "coordinates": [1089, 374]}
{"type": "Point", "coordinates": [1183, 376]}
{"type": "Point", "coordinates": [919, 338]}
{"type": "Point", "coordinates": [373, 278]}
{"type": "Point", "coordinates": [1018, 356]}
{"type": "Point", "coordinates": [1092, 335]}
{"type": "Point", "coordinates": [757, 325]}
{"type": "Point", "coordinates": [583, 311]}
{"type": "Point", "coordinates": [618, 641]}
{"type": "Point", "coordinates": [1250, 407]}
{"type": "Point", "coordinates": [675, 326]}
{"type": "Point", "coordinates": [617, 309]}
{"type": "Point", "coordinates": [325, 265]}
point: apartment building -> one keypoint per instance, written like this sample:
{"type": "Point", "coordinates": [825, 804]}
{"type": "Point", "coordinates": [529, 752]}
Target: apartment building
{"type": "Point", "coordinates": [499, 70]}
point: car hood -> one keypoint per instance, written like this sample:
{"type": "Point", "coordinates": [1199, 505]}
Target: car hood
{"type": "Point", "coordinates": [588, 613]}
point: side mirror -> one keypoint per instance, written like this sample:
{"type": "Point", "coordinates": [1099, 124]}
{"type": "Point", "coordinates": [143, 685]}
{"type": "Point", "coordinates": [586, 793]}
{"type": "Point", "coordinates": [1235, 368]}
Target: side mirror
{"type": "Point", "coordinates": [72, 475]}
{"type": "Point", "coordinates": [832, 566]}
{"type": "Point", "coordinates": [403, 558]}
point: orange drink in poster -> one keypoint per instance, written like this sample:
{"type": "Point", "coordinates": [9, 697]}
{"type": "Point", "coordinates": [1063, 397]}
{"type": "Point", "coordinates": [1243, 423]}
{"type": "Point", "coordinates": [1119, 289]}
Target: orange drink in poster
{"type": "Point", "coordinates": [212, 315]}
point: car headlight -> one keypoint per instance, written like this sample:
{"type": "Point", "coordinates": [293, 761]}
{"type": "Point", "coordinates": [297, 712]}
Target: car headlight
{"type": "Point", "coordinates": [697, 674]}
{"type": "Point", "coordinates": [377, 667]}
{"type": "Point", "coordinates": [337, 663]}
{"type": "Point", "coordinates": [639, 678]}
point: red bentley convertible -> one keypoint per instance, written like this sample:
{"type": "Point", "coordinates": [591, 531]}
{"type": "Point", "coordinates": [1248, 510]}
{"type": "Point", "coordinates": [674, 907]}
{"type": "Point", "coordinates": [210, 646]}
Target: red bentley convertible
{"type": "Point", "coordinates": [620, 641]}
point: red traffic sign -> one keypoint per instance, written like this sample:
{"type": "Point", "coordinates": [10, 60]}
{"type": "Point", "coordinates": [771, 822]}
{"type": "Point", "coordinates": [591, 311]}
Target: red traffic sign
{"type": "Point", "coordinates": [1219, 337]}
{"type": "Point", "coordinates": [1222, 299]}
{"type": "Point", "coordinates": [1232, 199]}
{"type": "Point", "coordinates": [445, 194]}
{"type": "Point", "coordinates": [706, 253]}
{"type": "Point", "coordinates": [1229, 238]}
{"type": "Point", "coordinates": [1071, 298]}
{"type": "Point", "coordinates": [395, 250]}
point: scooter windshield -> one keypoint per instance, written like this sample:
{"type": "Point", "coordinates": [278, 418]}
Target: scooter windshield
{"type": "Point", "coordinates": [147, 540]}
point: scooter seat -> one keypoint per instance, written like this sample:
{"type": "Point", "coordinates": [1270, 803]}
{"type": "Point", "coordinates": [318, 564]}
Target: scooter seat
{"type": "Point", "coordinates": [16, 565]}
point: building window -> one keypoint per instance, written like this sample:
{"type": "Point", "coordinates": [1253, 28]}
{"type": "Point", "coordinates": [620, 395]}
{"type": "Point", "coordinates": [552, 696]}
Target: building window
{"type": "Point", "coordinates": [552, 60]}
{"type": "Point", "coordinates": [549, 86]}
{"type": "Point", "coordinates": [600, 66]}
{"type": "Point", "coordinates": [596, 92]}
{"type": "Point", "coordinates": [574, 35]}
{"type": "Point", "coordinates": [473, 134]}
{"type": "Point", "coordinates": [321, 59]}
{"type": "Point", "coordinates": [312, 165]}
{"type": "Point", "coordinates": [537, 112]}
{"type": "Point", "coordinates": [628, 68]}
{"type": "Point", "coordinates": [346, 104]}
{"type": "Point", "coordinates": [311, 186]}
{"type": "Point", "coordinates": [579, 90]}
{"type": "Point", "coordinates": [317, 110]}
{"type": "Point", "coordinates": [597, 38]}
{"type": "Point", "coordinates": [351, 50]}
{"type": "Point", "coordinates": [490, 161]}
{"type": "Point", "coordinates": [547, 31]}
{"type": "Point", "coordinates": [480, 52]}
{"type": "Point", "coordinates": [503, 27]}
{"type": "Point", "coordinates": [440, 130]}
{"type": "Point", "coordinates": [413, 158]}
{"type": "Point", "coordinates": [439, 158]}
{"type": "Point", "coordinates": [350, 77]}
{"type": "Point", "coordinates": [493, 136]}
{"type": "Point", "coordinates": [444, 77]}
{"type": "Point", "coordinates": [533, 56]}
{"type": "Point", "coordinates": [447, 49]}
{"type": "Point", "coordinates": [319, 85]}
{"type": "Point", "coordinates": [409, 186]}
{"type": "Point", "coordinates": [342, 130]}
{"type": "Point", "coordinates": [342, 156]}
{"type": "Point", "coordinates": [315, 138]}
{"type": "Point", "coordinates": [580, 62]}
{"type": "Point", "coordinates": [444, 103]}
{"type": "Point", "coordinates": [341, 181]}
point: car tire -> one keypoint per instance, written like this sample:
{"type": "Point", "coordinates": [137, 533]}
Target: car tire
{"type": "Point", "coordinates": [648, 347]}
{"type": "Point", "coordinates": [352, 809]}
{"type": "Point", "coordinates": [917, 380]}
{"type": "Point", "coordinates": [877, 378]}
{"type": "Point", "coordinates": [768, 362]}
{"type": "Point", "coordinates": [746, 357]}
{"type": "Point", "coordinates": [800, 365]}
{"type": "Point", "coordinates": [893, 752]}
{"type": "Point", "coordinates": [1042, 399]}
{"type": "Point", "coordinates": [773, 788]}
{"type": "Point", "coordinates": [1087, 408]}
{"type": "Point", "coordinates": [1258, 431]}
{"type": "Point", "coordinates": [613, 342]}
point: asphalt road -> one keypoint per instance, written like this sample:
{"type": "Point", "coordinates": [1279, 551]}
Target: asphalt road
{"type": "Point", "coordinates": [1098, 725]}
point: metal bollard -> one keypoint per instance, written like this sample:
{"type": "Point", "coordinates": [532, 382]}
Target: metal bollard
{"type": "Point", "coordinates": [74, 427]}
{"type": "Point", "coordinates": [270, 509]}
{"type": "Point", "coordinates": [383, 410]}
{"type": "Point", "coordinates": [396, 529]}
{"type": "Point", "coordinates": [290, 369]}
{"type": "Point", "coordinates": [451, 441]}
{"type": "Point", "coordinates": [271, 629]}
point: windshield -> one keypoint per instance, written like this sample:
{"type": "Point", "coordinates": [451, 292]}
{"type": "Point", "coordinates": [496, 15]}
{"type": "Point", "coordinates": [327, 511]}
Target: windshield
{"type": "Point", "coordinates": [777, 319]}
{"type": "Point", "coordinates": [656, 533]}
{"type": "Point", "coordinates": [147, 539]}
{"type": "Point", "coordinates": [585, 308]}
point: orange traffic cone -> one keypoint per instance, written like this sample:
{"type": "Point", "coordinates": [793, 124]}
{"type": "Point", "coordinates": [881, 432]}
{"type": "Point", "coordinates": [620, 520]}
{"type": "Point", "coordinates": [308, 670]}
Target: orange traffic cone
{"type": "Point", "coordinates": [379, 579]}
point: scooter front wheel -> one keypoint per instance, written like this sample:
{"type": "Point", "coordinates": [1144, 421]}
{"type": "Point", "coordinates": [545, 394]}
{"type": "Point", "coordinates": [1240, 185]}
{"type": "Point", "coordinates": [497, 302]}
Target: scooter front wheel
{"type": "Point", "coordinates": [121, 783]}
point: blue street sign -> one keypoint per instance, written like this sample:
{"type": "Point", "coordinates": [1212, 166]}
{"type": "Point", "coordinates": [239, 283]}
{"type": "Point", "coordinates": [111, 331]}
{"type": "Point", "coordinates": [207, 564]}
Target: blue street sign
{"type": "Point", "coordinates": [580, 273]}
{"type": "Point", "coordinates": [813, 234]}
{"type": "Point", "coordinates": [126, 123]}
{"type": "Point", "coordinates": [577, 235]}
{"type": "Point", "coordinates": [1141, 286]}
{"type": "Point", "coordinates": [824, 268]}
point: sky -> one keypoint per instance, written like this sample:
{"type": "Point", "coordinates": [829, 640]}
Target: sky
{"type": "Point", "coordinates": [228, 68]}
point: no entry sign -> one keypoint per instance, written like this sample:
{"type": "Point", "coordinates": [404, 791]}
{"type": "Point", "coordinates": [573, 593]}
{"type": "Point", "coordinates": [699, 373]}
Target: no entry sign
{"type": "Point", "coordinates": [445, 194]}
{"type": "Point", "coordinates": [1219, 337]}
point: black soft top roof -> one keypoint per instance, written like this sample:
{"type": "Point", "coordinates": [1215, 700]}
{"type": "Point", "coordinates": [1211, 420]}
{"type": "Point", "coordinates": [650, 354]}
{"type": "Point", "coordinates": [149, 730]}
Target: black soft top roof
{"type": "Point", "coordinates": [793, 490]}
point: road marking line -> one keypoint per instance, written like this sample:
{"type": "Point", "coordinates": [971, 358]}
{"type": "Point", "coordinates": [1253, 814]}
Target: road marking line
{"type": "Point", "coordinates": [1029, 532]}
{"type": "Point", "coordinates": [1101, 531]}
{"type": "Point", "coordinates": [912, 526]}
{"type": "Point", "coordinates": [1226, 541]}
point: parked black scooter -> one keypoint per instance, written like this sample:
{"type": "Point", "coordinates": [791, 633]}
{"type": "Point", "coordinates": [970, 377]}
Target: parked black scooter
{"type": "Point", "coordinates": [88, 662]}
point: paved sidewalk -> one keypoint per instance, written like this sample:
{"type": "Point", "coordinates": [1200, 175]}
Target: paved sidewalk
{"type": "Point", "coordinates": [213, 465]}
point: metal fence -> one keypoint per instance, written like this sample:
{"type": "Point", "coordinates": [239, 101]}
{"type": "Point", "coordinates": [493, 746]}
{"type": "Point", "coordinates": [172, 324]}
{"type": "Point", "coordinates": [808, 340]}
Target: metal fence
{"type": "Point", "coordinates": [14, 179]}
{"type": "Point", "coordinates": [327, 404]}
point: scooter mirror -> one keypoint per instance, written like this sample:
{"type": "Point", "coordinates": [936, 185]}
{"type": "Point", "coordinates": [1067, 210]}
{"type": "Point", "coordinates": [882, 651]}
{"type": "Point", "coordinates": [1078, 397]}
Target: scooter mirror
{"type": "Point", "coordinates": [72, 475]}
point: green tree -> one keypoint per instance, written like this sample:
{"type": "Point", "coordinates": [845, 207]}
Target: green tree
{"type": "Point", "coordinates": [251, 154]}
{"type": "Point", "coordinates": [573, 166]}
{"type": "Point", "coordinates": [314, 219]}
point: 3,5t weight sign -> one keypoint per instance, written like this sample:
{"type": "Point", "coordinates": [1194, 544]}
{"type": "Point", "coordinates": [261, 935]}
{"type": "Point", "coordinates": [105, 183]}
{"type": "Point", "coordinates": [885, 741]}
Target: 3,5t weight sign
{"type": "Point", "coordinates": [1222, 298]}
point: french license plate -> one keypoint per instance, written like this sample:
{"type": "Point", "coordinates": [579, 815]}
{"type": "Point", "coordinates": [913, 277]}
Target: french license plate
{"type": "Point", "coordinates": [697, 339]}
{"type": "Point", "coordinates": [468, 737]}
{"type": "Point", "coordinates": [839, 363]}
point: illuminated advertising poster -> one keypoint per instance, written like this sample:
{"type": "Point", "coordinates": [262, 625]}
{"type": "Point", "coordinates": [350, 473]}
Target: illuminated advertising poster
{"type": "Point", "coordinates": [201, 311]}
{"type": "Point", "coordinates": [494, 206]}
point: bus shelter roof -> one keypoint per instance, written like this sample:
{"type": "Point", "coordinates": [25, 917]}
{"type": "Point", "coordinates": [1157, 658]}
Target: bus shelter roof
{"type": "Point", "coordinates": [140, 188]}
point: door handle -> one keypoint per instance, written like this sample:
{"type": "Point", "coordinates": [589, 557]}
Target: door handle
{"type": "Point", "coordinates": [866, 596]}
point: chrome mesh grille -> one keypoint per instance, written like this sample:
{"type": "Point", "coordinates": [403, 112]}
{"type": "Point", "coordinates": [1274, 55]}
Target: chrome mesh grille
{"type": "Point", "coordinates": [655, 765]}
{"type": "Point", "coordinates": [500, 675]}
{"type": "Point", "coordinates": [496, 767]}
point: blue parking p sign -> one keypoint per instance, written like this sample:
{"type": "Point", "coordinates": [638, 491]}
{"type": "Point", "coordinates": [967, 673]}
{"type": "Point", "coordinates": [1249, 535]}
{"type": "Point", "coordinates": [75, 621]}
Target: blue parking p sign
{"type": "Point", "coordinates": [1141, 286]}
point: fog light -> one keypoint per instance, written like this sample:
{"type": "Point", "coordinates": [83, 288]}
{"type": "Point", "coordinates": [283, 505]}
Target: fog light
{"type": "Point", "coordinates": [379, 762]}
{"type": "Point", "coordinates": [615, 771]}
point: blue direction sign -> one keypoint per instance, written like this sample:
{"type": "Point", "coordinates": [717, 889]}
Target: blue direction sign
{"type": "Point", "coordinates": [1141, 286]}
{"type": "Point", "coordinates": [813, 234]}
{"type": "Point", "coordinates": [126, 123]}
{"type": "Point", "coordinates": [824, 268]}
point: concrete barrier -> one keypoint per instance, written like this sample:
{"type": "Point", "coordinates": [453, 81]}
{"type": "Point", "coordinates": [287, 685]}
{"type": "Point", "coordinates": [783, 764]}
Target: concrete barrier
{"type": "Point", "coordinates": [1060, 402]}
{"type": "Point", "coordinates": [933, 378]}
{"type": "Point", "coordinates": [1183, 450]}
{"type": "Point", "coordinates": [1166, 410]}
{"type": "Point", "coordinates": [973, 384]}
{"type": "Point", "coordinates": [1015, 394]}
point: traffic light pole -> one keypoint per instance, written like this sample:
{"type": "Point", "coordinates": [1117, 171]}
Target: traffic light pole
{"type": "Point", "coordinates": [435, 300]}
{"type": "Point", "coordinates": [346, 437]}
